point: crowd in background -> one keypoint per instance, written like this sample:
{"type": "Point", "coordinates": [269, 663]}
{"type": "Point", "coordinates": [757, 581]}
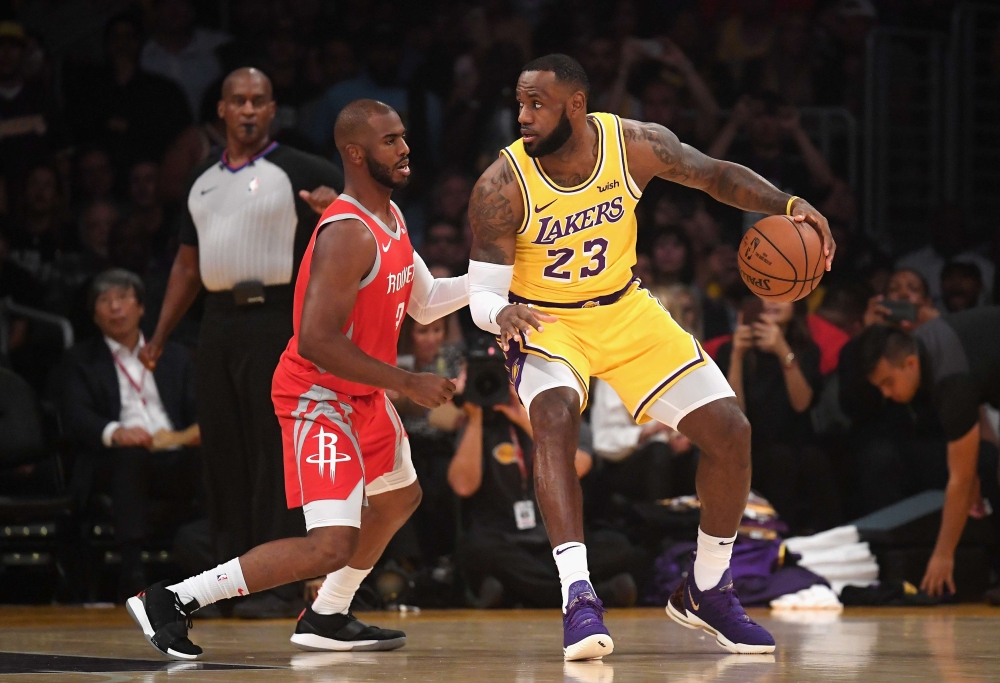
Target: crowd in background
{"type": "Point", "coordinates": [106, 106]}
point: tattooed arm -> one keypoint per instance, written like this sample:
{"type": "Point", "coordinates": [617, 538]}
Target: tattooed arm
{"type": "Point", "coordinates": [496, 211]}
{"type": "Point", "coordinates": [655, 151]}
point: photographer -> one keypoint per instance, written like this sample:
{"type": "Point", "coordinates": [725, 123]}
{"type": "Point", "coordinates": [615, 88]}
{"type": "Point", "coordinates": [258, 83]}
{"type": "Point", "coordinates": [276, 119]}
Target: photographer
{"type": "Point", "coordinates": [954, 362]}
{"type": "Point", "coordinates": [504, 552]}
{"type": "Point", "coordinates": [897, 451]}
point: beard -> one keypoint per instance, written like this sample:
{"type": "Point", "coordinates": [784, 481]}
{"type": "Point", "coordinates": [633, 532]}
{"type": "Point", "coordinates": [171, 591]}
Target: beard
{"type": "Point", "coordinates": [553, 141]}
{"type": "Point", "coordinates": [382, 174]}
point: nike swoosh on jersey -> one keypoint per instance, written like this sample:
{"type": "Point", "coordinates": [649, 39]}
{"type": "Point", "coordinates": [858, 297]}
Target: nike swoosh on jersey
{"type": "Point", "coordinates": [204, 192]}
{"type": "Point", "coordinates": [386, 247]}
{"type": "Point", "coordinates": [539, 210]}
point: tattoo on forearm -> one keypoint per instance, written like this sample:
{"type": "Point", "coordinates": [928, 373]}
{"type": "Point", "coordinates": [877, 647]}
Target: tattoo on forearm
{"type": "Point", "coordinates": [727, 182]}
{"type": "Point", "coordinates": [491, 215]}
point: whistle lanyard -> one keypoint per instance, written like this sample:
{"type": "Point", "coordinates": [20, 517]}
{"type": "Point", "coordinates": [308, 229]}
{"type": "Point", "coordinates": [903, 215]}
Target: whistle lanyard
{"type": "Point", "coordinates": [519, 456]}
{"type": "Point", "coordinates": [137, 386]}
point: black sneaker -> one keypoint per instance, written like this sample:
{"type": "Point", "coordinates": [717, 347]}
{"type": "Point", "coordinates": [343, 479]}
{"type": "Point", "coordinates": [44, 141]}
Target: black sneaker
{"type": "Point", "coordinates": [342, 633]}
{"type": "Point", "coordinates": [164, 621]}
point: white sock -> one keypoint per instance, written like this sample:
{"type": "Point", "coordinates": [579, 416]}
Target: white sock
{"type": "Point", "coordinates": [712, 559]}
{"type": "Point", "coordinates": [225, 581]}
{"type": "Point", "coordinates": [338, 590]}
{"type": "Point", "coordinates": [571, 560]}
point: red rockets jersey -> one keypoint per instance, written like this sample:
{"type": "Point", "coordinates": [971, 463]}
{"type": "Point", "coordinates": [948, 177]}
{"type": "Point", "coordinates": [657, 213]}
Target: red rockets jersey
{"type": "Point", "coordinates": [383, 295]}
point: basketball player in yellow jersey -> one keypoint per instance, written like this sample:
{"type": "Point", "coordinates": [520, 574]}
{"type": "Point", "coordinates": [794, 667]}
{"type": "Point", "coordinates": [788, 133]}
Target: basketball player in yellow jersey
{"type": "Point", "coordinates": [554, 231]}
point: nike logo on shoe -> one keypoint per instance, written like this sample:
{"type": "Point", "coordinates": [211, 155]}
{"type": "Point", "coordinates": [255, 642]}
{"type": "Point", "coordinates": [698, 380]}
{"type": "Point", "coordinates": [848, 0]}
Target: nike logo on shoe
{"type": "Point", "coordinates": [560, 552]}
{"type": "Point", "coordinates": [691, 598]}
{"type": "Point", "coordinates": [539, 210]}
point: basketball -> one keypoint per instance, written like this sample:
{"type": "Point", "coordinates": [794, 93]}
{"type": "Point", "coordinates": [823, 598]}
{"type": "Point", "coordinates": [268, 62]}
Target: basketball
{"type": "Point", "coordinates": [780, 259]}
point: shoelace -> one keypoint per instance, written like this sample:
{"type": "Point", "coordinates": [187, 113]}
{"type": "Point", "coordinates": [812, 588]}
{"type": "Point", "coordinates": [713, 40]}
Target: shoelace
{"type": "Point", "coordinates": [580, 603]}
{"type": "Point", "coordinates": [188, 622]}
{"type": "Point", "coordinates": [734, 604]}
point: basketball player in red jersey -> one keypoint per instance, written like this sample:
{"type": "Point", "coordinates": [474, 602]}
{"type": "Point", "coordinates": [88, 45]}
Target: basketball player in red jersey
{"type": "Point", "coordinates": [347, 458]}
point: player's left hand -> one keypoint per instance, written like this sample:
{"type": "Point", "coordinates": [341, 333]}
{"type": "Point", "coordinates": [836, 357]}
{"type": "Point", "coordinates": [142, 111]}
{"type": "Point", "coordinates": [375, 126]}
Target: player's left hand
{"type": "Point", "coordinates": [320, 198]}
{"type": "Point", "coordinates": [803, 211]}
{"type": "Point", "coordinates": [939, 575]}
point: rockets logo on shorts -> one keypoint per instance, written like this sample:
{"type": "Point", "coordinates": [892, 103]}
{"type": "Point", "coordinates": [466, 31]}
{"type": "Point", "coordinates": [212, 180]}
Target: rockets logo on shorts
{"type": "Point", "coordinates": [327, 454]}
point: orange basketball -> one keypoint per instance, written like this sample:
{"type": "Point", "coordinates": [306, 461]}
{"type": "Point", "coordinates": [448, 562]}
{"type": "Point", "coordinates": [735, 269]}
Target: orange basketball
{"type": "Point", "coordinates": [781, 260]}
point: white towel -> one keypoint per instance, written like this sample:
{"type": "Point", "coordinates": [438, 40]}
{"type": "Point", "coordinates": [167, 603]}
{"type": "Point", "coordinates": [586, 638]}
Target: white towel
{"type": "Point", "coordinates": [818, 597]}
{"type": "Point", "coordinates": [842, 535]}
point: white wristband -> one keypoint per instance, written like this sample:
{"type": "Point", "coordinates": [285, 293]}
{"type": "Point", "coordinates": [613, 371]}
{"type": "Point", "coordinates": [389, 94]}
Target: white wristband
{"type": "Point", "coordinates": [489, 284]}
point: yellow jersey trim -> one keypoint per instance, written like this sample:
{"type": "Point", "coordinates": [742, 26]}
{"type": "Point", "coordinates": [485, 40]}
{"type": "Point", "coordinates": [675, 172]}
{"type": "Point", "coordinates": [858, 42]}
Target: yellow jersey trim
{"type": "Point", "coordinates": [630, 185]}
{"type": "Point", "coordinates": [524, 188]}
{"type": "Point", "coordinates": [598, 167]}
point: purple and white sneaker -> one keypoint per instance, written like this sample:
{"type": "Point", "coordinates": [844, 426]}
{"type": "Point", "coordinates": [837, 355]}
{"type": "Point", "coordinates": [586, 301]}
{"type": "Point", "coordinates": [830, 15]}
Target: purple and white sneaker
{"type": "Point", "coordinates": [584, 633]}
{"type": "Point", "coordinates": [718, 611]}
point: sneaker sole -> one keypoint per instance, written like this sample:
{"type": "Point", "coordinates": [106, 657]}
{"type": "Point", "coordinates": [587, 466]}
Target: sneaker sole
{"type": "Point", "coordinates": [137, 610]}
{"type": "Point", "coordinates": [691, 621]}
{"type": "Point", "coordinates": [317, 643]}
{"type": "Point", "coordinates": [591, 647]}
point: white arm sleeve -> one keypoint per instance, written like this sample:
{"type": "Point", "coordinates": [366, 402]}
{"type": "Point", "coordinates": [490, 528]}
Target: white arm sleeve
{"type": "Point", "coordinates": [433, 298]}
{"type": "Point", "coordinates": [489, 284]}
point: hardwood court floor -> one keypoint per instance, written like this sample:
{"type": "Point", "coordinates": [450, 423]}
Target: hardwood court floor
{"type": "Point", "coordinates": [890, 644]}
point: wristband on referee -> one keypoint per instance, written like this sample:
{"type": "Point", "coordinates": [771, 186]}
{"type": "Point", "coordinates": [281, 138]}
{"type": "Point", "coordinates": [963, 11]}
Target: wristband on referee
{"type": "Point", "coordinates": [788, 206]}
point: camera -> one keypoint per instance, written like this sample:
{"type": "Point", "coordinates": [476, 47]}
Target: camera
{"type": "Point", "coordinates": [486, 375]}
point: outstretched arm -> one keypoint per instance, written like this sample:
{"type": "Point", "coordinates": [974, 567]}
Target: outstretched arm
{"type": "Point", "coordinates": [433, 298]}
{"type": "Point", "coordinates": [655, 151]}
{"type": "Point", "coordinates": [343, 255]}
{"type": "Point", "coordinates": [495, 214]}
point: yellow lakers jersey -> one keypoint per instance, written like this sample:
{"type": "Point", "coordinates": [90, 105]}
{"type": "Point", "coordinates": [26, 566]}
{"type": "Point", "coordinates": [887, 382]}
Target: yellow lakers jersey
{"type": "Point", "coordinates": [576, 244]}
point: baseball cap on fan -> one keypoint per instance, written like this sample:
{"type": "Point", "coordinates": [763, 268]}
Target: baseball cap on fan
{"type": "Point", "coordinates": [11, 30]}
{"type": "Point", "coordinates": [856, 8]}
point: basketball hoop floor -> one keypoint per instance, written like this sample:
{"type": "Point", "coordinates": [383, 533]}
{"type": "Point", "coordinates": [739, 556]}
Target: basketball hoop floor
{"type": "Point", "coordinates": [50, 644]}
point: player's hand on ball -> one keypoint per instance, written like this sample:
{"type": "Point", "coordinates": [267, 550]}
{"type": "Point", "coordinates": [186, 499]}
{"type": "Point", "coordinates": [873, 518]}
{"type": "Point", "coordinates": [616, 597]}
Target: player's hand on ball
{"type": "Point", "coordinates": [428, 389]}
{"type": "Point", "coordinates": [939, 575]}
{"type": "Point", "coordinates": [517, 321]}
{"type": "Point", "coordinates": [803, 211]}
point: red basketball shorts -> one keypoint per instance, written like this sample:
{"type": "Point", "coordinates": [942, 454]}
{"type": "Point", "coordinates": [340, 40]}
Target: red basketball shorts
{"type": "Point", "coordinates": [338, 449]}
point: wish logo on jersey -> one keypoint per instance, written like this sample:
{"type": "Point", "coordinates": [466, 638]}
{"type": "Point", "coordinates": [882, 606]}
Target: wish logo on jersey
{"type": "Point", "coordinates": [551, 229]}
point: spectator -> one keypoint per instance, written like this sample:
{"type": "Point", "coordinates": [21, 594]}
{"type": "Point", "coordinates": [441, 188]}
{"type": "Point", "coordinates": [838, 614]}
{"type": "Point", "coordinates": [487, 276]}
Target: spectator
{"type": "Point", "coordinates": [773, 366]}
{"type": "Point", "coordinates": [191, 148]}
{"type": "Point", "coordinates": [41, 231]}
{"type": "Point", "coordinates": [725, 291]}
{"type": "Point", "coordinates": [504, 552]}
{"type": "Point", "coordinates": [896, 451]}
{"type": "Point", "coordinates": [182, 52]}
{"type": "Point", "coordinates": [445, 246]}
{"type": "Point", "coordinates": [961, 286]}
{"type": "Point", "coordinates": [30, 125]}
{"type": "Point", "coordinates": [70, 30]}
{"type": "Point", "coordinates": [119, 413]}
{"type": "Point", "coordinates": [608, 73]}
{"type": "Point", "coordinates": [787, 69]}
{"type": "Point", "coordinates": [840, 75]}
{"type": "Point", "coordinates": [745, 36]}
{"type": "Point", "coordinates": [673, 258]}
{"type": "Point", "coordinates": [133, 114]}
{"type": "Point", "coordinates": [660, 99]}
{"type": "Point", "coordinates": [684, 304]}
{"type": "Point", "coordinates": [636, 463]}
{"type": "Point", "coordinates": [948, 243]}
{"type": "Point", "coordinates": [769, 121]}
{"type": "Point", "coordinates": [95, 175]}
{"type": "Point", "coordinates": [283, 57]}
{"type": "Point", "coordinates": [146, 210]}
{"type": "Point", "coordinates": [379, 80]}
{"type": "Point", "coordinates": [451, 197]}
{"type": "Point", "coordinates": [422, 348]}
{"type": "Point", "coordinates": [955, 360]}
{"type": "Point", "coordinates": [17, 284]}
{"type": "Point", "coordinates": [97, 221]}
{"type": "Point", "coordinates": [326, 66]}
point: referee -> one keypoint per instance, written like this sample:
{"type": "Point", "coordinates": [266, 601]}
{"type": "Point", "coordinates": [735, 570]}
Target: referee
{"type": "Point", "coordinates": [249, 216]}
